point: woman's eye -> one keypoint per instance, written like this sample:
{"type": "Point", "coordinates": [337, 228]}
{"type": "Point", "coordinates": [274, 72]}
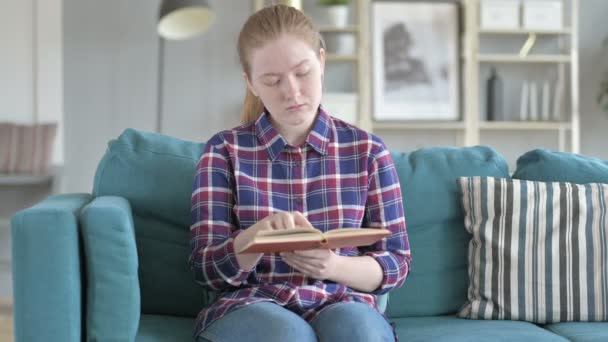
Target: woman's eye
{"type": "Point", "coordinates": [302, 74]}
{"type": "Point", "coordinates": [273, 82]}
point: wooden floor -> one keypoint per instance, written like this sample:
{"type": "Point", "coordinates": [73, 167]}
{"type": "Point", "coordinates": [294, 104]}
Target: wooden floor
{"type": "Point", "coordinates": [6, 321]}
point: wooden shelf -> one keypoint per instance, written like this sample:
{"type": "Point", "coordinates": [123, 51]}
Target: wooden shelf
{"type": "Point", "coordinates": [524, 125]}
{"type": "Point", "coordinates": [422, 125]}
{"type": "Point", "coordinates": [506, 58]}
{"type": "Point", "coordinates": [27, 179]}
{"type": "Point", "coordinates": [333, 29]}
{"type": "Point", "coordinates": [522, 31]}
{"type": "Point", "coordinates": [342, 58]}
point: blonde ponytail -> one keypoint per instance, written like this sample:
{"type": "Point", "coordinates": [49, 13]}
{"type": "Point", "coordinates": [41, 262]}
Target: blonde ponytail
{"type": "Point", "coordinates": [252, 107]}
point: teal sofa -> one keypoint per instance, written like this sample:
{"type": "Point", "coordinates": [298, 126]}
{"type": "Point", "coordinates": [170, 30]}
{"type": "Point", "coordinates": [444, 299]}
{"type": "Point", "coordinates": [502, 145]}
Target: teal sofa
{"type": "Point", "coordinates": [112, 265]}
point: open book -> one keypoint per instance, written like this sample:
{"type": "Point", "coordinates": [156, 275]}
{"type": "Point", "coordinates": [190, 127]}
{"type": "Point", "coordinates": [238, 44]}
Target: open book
{"type": "Point", "coordinates": [271, 241]}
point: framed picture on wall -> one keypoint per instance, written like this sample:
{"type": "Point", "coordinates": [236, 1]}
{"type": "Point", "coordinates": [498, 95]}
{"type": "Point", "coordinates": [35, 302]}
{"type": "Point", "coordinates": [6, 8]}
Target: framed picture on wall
{"type": "Point", "coordinates": [415, 59]}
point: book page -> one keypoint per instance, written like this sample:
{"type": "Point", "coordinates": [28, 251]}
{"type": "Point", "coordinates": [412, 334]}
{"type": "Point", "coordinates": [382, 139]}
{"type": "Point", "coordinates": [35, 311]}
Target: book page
{"type": "Point", "coordinates": [290, 231]}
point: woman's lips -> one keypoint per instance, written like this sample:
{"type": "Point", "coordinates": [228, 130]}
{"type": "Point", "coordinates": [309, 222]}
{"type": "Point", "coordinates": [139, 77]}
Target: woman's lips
{"type": "Point", "coordinates": [295, 108]}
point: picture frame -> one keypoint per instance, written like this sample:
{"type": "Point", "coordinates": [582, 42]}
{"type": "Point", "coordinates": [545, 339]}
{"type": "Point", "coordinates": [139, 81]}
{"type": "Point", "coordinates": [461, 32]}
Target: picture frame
{"type": "Point", "coordinates": [416, 61]}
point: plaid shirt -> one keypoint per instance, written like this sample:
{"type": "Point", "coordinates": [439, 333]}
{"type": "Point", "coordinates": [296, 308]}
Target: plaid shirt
{"type": "Point", "coordinates": [341, 177]}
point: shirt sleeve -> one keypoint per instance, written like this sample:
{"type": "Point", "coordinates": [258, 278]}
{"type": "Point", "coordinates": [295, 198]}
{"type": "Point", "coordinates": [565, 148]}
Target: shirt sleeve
{"type": "Point", "coordinates": [213, 228]}
{"type": "Point", "coordinates": [384, 209]}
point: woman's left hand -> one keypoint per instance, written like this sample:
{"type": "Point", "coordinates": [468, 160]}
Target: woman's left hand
{"type": "Point", "coordinates": [315, 263]}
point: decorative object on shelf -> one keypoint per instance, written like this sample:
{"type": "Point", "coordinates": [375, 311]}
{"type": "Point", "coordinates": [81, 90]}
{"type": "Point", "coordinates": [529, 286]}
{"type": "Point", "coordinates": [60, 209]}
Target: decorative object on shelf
{"type": "Point", "coordinates": [500, 14]}
{"type": "Point", "coordinates": [293, 3]}
{"type": "Point", "coordinates": [178, 20]}
{"type": "Point", "coordinates": [544, 104]}
{"type": "Point", "coordinates": [558, 98]}
{"type": "Point", "coordinates": [415, 61]}
{"type": "Point", "coordinates": [26, 149]}
{"type": "Point", "coordinates": [336, 11]}
{"type": "Point", "coordinates": [536, 101]}
{"type": "Point", "coordinates": [523, 103]}
{"type": "Point", "coordinates": [341, 105]}
{"type": "Point", "coordinates": [494, 97]}
{"type": "Point", "coordinates": [543, 15]}
{"type": "Point", "coordinates": [335, 14]}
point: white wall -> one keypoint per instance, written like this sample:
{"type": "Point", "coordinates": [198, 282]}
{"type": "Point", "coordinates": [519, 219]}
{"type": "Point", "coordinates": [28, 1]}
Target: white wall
{"type": "Point", "coordinates": [111, 53]}
{"type": "Point", "coordinates": [31, 64]}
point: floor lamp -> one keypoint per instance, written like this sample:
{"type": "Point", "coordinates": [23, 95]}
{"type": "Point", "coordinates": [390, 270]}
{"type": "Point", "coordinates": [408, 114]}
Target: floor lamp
{"type": "Point", "coordinates": [178, 20]}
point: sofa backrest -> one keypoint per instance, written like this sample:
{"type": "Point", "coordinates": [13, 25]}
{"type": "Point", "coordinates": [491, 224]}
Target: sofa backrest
{"type": "Point", "coordinates": [438, 281]}
{"type": "Point", "coordinates": [155, 174]}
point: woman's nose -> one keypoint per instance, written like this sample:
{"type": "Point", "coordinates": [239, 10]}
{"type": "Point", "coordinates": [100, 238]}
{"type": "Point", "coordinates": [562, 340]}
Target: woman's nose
{"type": "Point", "coordinates": [291, 88]}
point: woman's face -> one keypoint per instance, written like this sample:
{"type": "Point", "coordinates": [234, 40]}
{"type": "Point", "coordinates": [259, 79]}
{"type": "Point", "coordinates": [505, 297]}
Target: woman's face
{"type": "Point", "coordinates": [286, 75]}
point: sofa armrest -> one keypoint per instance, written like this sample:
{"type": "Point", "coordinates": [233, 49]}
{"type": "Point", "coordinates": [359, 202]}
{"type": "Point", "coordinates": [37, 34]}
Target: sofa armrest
{"type": "Point", "coordinates": [112, 294]}
{"type": "Point", "coordinates": [46, 270]}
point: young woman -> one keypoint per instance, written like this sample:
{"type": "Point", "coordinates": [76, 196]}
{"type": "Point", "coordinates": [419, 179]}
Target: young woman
{"type": "Point", "coordinates": [291, 164]}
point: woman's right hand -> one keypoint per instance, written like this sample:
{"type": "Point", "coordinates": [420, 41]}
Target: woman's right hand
{"type": "Point", "coordinates": [277, 221]}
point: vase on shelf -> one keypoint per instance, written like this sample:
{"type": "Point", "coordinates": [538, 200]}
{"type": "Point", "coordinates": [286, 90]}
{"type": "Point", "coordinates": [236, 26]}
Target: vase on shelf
{"type": "Point", "coordinates": [335, 12]}
{"type": "Point", "coordinates": [494, 97]}
{"type": "Point", "coordinates": [336, 15]}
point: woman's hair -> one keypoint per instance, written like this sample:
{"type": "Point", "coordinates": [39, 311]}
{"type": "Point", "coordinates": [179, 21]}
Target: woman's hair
{"type": "Point", "coordinates": [265, 25]}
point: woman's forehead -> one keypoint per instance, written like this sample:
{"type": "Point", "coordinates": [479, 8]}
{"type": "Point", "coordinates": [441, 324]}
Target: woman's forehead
{"type": "Point", "coordinates": [280, 55]}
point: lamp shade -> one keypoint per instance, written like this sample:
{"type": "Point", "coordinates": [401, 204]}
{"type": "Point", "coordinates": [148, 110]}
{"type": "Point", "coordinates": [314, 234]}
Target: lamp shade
{"type": "Point", "coordinates": [183, 19]}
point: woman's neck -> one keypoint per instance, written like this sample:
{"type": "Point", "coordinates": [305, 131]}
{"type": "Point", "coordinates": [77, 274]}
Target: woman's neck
{"type": "Point", "coordinates": [294, 136]}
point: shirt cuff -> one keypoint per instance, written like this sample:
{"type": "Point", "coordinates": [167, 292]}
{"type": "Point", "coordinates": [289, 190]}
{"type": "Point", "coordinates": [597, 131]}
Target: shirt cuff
{"type": "Point", "coordinates": [392, 275]}
{"type": "Point", "coordinates": [228, 267]}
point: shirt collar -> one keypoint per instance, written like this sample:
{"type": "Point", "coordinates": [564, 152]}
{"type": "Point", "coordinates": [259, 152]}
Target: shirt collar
{"type": "Point", "coordinates": [318, 138]}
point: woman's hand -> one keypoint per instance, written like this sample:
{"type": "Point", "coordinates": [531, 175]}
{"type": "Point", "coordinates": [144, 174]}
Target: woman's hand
{"type": "Point", "coordinates": [277, 221]}
{"type": "Point", "coordinates": [362, 273]}
{"type": "Point", "coordinates": [315, 263]}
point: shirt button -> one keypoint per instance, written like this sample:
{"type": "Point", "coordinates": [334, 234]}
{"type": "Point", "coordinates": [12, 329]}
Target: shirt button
{"type": "Point", "coordinates": [298, 200]}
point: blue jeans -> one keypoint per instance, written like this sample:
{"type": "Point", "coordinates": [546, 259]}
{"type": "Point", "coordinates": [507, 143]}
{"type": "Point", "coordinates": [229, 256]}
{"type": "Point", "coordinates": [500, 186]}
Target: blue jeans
{"type": "Point", "coordinates": [270, 322]}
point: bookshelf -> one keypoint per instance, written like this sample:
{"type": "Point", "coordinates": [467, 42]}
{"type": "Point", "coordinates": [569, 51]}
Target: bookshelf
{"type": "Point", "coordinates": [471, 127]}
{"type": "Point", "coordinates": [564, 63]}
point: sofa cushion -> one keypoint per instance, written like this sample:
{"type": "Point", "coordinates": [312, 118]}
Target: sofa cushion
{"type": "Point", "coordinates": [158, 328]}
{"type": "Point", "coordinates": [548, 166]}
{"type": "Point", "coordinates": [113, 299]}
{"type": "Point", "coordinates": [437, 281]}
{"type": "Point", "coordinates": [168, 285]}
{"type": "Point", "coordinates": [453, 329]}
{"type": "Point", "coordinates": [155, 173]}
{"type": "Point", "coordinates": [581, 331]}
{"type": "Point", "coordinates": [539, 250]}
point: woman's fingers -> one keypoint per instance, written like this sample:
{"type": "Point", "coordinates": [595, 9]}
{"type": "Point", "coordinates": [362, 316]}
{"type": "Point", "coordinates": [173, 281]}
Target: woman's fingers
{"type": "Point", "coordinates": [300, 220]}
{"type": "Point", "coordinates": [288, 220]}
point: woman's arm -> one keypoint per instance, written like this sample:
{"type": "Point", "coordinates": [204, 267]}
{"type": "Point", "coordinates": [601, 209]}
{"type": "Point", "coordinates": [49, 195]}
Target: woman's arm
{"type": "Point", "coordinates": [384, 209]}
{"type": "Point", "coordinates": [213, 228]}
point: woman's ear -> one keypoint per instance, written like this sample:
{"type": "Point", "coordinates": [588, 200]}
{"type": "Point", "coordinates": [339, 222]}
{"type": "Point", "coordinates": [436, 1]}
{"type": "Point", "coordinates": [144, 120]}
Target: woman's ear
{"type": "Point", "coordinates": [322, 60]}
{"type": "Point", "coordinates": [249, 85]}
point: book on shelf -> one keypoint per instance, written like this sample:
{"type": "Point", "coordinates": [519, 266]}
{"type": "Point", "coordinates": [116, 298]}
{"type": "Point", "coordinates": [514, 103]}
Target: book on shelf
{"type": "Point", "coordinates": [523, 104]}
{"type": "Point", "coordinates": [295, 239]}
{"type": "Point", "coordinates": [533, 99]}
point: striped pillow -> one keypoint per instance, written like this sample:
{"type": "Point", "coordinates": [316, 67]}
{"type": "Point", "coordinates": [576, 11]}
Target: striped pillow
{"type": "Point", "coordinates": [26, 149]}
{"type": "Point", "coordinates": [539, 251]}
